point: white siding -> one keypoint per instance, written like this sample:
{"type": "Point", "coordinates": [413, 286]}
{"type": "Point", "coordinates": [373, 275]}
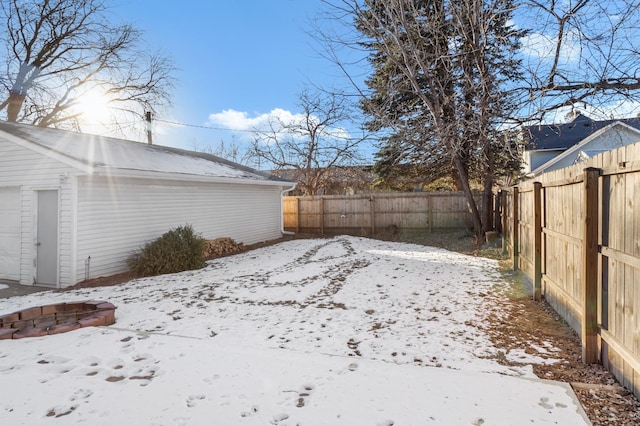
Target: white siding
{"type": "Point", "coordinates": [21, 167]}
{"type": "Point", "coordinates": [116, 217]}
{"type": "Point", "coordinates": [534, 159]}
{"type": "Point", "coordinates": [611, 139]}
{"type": "Point", "coordinates": [108, 219]}
{"type": "Point", "coordinates": [10, 233]}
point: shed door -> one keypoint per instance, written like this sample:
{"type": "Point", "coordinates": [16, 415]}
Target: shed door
{"type": "Point", "coordinates": [47, 239]}
{"type": "Point", "coordinates": [10, 233]}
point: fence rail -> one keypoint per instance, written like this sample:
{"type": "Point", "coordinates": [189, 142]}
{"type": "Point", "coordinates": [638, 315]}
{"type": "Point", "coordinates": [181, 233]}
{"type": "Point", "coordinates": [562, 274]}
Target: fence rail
{"type": "Point", "coordinates": [368, 214]}
{"type": "Point", "coordinates": [575, 233]}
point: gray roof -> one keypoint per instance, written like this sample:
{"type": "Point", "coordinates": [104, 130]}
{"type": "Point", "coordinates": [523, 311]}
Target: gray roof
{"type": "Point", "coordinates": [119, 156]}
{"type": "Point", "coordinates": [563, 136]}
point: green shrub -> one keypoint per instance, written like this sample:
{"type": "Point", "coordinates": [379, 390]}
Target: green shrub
{"type": "Point", "coordinates": [178, 250]}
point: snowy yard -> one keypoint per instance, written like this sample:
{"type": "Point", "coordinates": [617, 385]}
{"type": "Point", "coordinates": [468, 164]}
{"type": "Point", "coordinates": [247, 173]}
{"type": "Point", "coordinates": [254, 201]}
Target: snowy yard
{"type": "Point", "coordinates": [344, 331]}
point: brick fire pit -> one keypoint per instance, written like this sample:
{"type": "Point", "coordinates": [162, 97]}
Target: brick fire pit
{"type": "Point", "coordinates": [55, 319]}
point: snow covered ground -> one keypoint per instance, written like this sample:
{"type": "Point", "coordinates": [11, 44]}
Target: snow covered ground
{"type": "Point", "coordinates": [342, 331]}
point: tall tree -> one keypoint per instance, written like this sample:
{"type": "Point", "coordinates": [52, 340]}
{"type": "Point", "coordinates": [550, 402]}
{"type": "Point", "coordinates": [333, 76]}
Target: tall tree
{"type": "Point", "coordinates": [448, 73]}
{"type": "Point", "coordinates": [438, 68]}
{"type": "Point", "coordinates": [310, 144]}
{"type": "Point", "coordinates": [57, 51]}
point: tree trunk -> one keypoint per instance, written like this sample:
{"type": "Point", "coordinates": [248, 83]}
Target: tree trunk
{"type": "Point", "coordinates": [15, 102]}
{"type": "Point", "coordinates": [487, 207]}
{"type": "Point", "coordinates": [471, 202]}
{"type": "Point", "coordinates": [487, 190]}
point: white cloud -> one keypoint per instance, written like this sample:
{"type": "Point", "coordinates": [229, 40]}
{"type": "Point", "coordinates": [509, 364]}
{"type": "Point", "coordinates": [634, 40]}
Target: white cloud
{"type": "Point", "coordinates": [241, 121]}
{"type": "Point", "coordinates": [617, 110]}
{"type": "Point", "coordinates": [543, 46]}
{"type": "Point", "coordinates": [623, 109]}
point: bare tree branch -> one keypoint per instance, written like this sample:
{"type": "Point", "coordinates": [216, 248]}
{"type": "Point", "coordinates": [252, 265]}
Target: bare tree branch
{"type": "Point", "coordinates": [57, 50]}
{"type": "Point", "coordinates": [312, 144]}
{"type": "Point", "coordinates": [579, 52]}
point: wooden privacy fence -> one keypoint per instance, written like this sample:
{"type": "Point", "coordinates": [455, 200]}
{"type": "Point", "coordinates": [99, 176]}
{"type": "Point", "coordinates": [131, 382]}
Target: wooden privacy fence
{"type": "Point", "coordinates": [575, 233]}
{"type": "Point", "coordinates": [368, 214]}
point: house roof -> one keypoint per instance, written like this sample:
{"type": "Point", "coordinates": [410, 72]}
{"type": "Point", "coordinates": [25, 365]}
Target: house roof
{"type": "Point", "coordinates": [563, 136]}
{"type": "Point", "coordinates": [580, 149]}
{"type": "Point", "coordinates": [115, 156]}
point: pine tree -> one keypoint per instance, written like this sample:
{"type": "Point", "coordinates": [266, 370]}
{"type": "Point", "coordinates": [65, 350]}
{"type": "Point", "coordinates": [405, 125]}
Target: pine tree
{"type": "Point", "coordinates": [441, 70]}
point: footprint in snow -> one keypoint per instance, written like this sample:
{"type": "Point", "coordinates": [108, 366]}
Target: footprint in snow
{"type": "Point", "coordinates": [211, 379]}
{"type": "Point", "coordinates": [193, 400]}
{"type": "Point", "coordinates": [279, 418]}
{"type": "Point", "coordinates": [91, 361]}
{"type": "Point", "coordinates": [544, 403]}
{"type": "Point", "coordinates": [304, 394]}
{"type": "Point", "coordinates": [61, 411]}
{"type": "Point", "coordinates": [252, 412]}
{"type": "Point", "coordinates": [81, 394]}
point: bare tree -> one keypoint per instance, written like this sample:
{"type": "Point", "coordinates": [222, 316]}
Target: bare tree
{"type": "Point", "coordinates": [58, 50]}
{"type": "Point", "coordinates": [232, 151]}
{"type": "Point", "coordinates": [580, 52]}
{"type": "Point", "coordinates": [310, 144]}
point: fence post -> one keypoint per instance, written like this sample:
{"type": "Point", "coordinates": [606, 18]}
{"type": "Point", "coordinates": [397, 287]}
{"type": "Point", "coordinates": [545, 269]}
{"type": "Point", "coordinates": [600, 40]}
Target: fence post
{"type": "Point", "coordinates": [505, 227]}
{"type": "Point", "coordinates": [297, 215]}
{"type": "Point", "coordinates": [430, 209]}
{"type": "Point", "coordinates": [516, 242]}
{"type": "Point", "coordinates": [589, 321]}
{"type": "Point", "coordinates": [372, 213]}
{"type": "Point", "coordinates": [321, 214]}
{"type": "Point", "coordinates": [537, 240]}
{"type": "Point", "coordinates": [497, 225]}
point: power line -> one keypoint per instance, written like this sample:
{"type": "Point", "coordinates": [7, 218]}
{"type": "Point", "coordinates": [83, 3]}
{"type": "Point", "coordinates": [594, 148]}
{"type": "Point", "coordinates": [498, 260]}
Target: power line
{"type": "Point", "coordinates": [198, 126]}
{"type": "Point", "coordinates": [202, 127]}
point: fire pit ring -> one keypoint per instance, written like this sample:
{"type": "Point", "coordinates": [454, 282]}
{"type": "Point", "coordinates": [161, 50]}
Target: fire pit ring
{"type": "Point", "coordinates": [56, 318]}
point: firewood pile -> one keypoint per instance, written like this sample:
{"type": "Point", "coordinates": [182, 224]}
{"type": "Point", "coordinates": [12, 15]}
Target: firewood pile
{"type": "Point", "coordinates": [221, 247]}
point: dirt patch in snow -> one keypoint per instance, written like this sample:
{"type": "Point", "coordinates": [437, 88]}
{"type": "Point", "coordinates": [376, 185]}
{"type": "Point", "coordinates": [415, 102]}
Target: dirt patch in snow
{"type": "Point", "coordinates": [535, 328]}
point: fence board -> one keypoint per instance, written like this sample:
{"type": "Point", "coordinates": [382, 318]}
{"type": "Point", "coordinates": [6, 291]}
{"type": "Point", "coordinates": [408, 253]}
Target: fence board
{"type": "Point", "coordinates": [525, 230]}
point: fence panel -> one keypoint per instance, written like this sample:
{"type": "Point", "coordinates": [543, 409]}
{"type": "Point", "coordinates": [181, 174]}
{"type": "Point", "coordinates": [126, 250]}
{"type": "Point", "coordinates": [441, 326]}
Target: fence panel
{"type": "Point", "coordinates": [290, 213]}
{"type": "Point", "coordinates": [590, 271]}
{"type": "Point", "coordinates": [525, 225]}
{"type": "Point", "coordinates": [366, 214]}
{"type": "Point", "coordinates": [507, 222]}
{"type": "Point", "coordinates": [562, 262]}
{"type": "Point", "coordinates": [621, 261]}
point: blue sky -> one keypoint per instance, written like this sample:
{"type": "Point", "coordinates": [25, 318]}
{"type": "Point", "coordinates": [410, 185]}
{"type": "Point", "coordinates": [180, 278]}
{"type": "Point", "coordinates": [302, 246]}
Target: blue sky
{"type": "Point", "coordinates": [237, 62]}
{"type": "Point", "coordinates": [240, 62]}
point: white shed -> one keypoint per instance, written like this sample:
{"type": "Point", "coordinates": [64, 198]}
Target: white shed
{"type": "Point", "coordinates": [74, 206]}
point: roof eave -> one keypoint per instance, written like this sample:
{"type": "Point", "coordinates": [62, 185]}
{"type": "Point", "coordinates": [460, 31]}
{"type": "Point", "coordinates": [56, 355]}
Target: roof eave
{"type": "Point", "coordinates": [547, 149]}
{"type": "Point", "coordinates": [184, 177]}
{"type": "Point", "coordinates": [49, 153]}
{"type": "Point", "coordinates": [579, 146]}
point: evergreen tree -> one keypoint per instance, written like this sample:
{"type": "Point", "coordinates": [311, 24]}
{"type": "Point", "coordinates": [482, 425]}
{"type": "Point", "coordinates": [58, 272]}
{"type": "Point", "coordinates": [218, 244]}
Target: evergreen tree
{"type": "Point", "coordinates": [440, 88]}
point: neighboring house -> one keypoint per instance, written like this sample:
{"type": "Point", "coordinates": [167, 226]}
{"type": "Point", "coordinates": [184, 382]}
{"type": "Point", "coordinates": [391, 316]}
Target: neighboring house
{"type": "Point", "coordinates": [74, 206]}
{"type": "Point", "coordinates": [552, 147]}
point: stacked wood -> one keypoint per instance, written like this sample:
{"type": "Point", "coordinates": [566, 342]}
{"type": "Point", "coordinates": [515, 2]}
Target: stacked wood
{"type": "Point", "coordinates": [221, 247]}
